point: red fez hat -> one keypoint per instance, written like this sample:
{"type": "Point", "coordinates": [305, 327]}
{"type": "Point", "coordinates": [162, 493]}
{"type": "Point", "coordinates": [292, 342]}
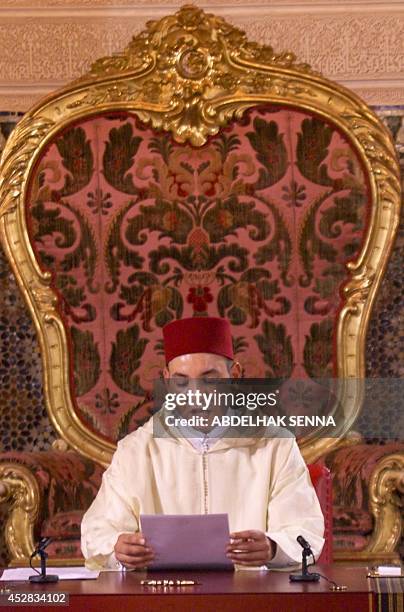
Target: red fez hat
{"type": "Point", "coordinates": [197, 335]}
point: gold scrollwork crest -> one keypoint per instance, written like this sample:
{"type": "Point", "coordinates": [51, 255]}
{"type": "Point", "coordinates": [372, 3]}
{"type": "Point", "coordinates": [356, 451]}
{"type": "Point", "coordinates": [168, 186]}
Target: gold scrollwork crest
{"type": "Point", "coordinates": [184, 62]}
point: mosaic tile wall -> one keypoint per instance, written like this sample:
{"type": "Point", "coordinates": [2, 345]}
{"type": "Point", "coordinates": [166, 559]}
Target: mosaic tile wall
{"type": "Point", "coordinates": [24, 424]}
{"type": "Point", "coordinates": [385, 338]}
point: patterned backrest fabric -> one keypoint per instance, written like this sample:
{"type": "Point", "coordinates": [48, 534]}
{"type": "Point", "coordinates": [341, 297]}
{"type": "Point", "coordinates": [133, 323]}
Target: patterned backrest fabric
{"type": "Point", "coordinates": [256, 226]}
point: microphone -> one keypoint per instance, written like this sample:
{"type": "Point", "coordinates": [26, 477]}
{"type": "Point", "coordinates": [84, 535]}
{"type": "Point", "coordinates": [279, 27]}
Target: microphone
{"type": "Point", "coordinates": [305, 576]}
{"type": "Point", "coordinates": [304, 543]}
{"type": "Point", "coordinates": [42, 544]}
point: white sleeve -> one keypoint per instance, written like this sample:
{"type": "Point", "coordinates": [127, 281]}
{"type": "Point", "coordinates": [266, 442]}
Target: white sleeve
{"type": "Point", "coordinates": [112, 563]}
{"type": "Point", "coordinates": [114, 511]}
{"type": "Point", "coordinates": [293, 507]}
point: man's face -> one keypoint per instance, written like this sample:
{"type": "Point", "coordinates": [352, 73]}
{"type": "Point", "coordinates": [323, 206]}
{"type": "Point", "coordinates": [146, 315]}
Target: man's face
{"type": "Point", "coordinates": [193, 371]}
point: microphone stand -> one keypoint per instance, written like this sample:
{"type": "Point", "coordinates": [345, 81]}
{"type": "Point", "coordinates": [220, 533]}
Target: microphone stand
{"type": "Point", "coordinates": [43, 576]}
{"type": "Point", "coordinates": [305, 576]}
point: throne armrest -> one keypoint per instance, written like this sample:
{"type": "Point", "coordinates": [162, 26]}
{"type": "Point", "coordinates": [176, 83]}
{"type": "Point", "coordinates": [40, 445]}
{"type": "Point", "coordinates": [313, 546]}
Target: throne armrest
{"type": "Point", "coordinates": [38, 485]}
{"type": "Point", "coordinates": [369, 480]}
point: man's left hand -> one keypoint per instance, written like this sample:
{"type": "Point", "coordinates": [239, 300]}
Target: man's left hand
{"type": "Point", "coordinates": [250, 547]}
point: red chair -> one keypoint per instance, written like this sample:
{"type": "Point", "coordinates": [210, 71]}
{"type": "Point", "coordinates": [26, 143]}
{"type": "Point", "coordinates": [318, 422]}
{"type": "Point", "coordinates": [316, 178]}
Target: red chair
{"type": "Point", "coordinates": [321, 478]}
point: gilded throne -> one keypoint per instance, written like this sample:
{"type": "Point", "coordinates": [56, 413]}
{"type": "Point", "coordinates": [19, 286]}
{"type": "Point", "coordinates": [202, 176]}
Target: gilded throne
{"type": "Point", "coordinates": [196, 173]}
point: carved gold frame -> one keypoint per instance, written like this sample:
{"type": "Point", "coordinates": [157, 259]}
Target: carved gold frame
{"type": "Point", "coordinates": [19, 487]}
{"type": "Point", "coordinates": [191, 73]}
{"type": "Point", "coordinates": [386, 504]}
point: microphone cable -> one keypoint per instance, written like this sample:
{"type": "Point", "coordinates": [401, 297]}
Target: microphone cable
{"type": "Point", "coordinates": [334, 586]}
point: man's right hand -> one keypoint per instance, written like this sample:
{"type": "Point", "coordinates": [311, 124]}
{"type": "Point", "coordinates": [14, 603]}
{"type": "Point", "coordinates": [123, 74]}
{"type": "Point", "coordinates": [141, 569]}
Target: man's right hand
{"type": "Point", "coordinates": [132, 551]}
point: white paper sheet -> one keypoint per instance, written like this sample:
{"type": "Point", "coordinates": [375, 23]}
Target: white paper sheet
{"type": "Point", "coordinates": [251, 568]}
{"type": "Point", "coordinates": [388, 570]}
{"type": "Point", "coordinates": [64, 573]}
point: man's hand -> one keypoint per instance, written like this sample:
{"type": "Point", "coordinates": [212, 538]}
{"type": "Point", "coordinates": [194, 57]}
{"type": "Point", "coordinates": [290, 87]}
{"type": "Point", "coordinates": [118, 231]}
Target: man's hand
{"type": "Point", "coordinates": [131, 550]}
{"type": "Point", "coordinates": [250, 547]}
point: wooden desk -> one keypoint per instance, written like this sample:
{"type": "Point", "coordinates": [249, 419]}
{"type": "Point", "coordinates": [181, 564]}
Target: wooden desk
{"type": "Point", "coordinates": [218, 592]}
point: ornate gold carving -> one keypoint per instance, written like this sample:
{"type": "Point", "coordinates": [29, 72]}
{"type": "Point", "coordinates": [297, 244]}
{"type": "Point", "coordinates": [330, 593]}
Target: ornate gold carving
{"type": "Point", "coordinates": [191, 73]}
{"type": "Point", "coordinates": [193, 64]}
{"type": "Point", "coordinates": [386, 498]}
{"type": "Point", "coordinates": [183, 63]}
{"type": "Point", "coordinates": [60, 445]}
{"type": "Point", "coordinates": [192, 43]}
{"type": "Point", "coordinates": [386, 501]}
{"type": "Point", "coordinates": [357, 290]}
{"type": "Point", "coordinates": [12, 174]}
{"type": "Point", "coordinates": [45, 298]}
{"type": "Point", "coordinates": [100, 95]}
{"type": "Point", "coordinates": [20, 489]}
{"type": "Point", "coordinates": [20, 99]}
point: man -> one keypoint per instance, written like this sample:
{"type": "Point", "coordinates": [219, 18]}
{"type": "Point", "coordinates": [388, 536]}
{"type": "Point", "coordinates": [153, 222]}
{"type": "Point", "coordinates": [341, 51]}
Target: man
{"type": "Point", "coordinates": [262, 484]}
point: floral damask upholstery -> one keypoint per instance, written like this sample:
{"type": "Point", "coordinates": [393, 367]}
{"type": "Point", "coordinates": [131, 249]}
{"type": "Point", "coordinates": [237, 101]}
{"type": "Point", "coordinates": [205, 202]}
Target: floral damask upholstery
{"type": "Point", "coordinates": [257, 226]}
{"type": "Point", "coordinates": [352, 468]}
{"type": "Point", "coordinates": [67, 485]}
